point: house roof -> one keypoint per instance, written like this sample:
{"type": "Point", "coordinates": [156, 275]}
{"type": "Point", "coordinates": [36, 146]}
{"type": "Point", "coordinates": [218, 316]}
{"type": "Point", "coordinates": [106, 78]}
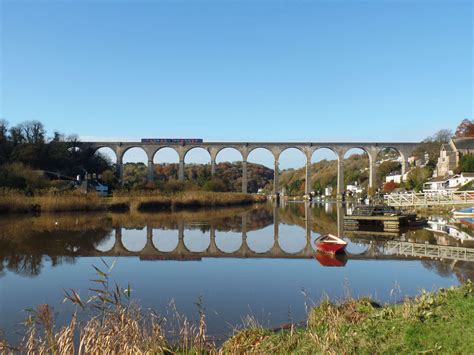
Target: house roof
{"type": "Point", "coordinates": [438, 179]}
{"type": "Point", "coordinates": [464, 143]}
{"type": "Point", "coordinates": [446, 147]}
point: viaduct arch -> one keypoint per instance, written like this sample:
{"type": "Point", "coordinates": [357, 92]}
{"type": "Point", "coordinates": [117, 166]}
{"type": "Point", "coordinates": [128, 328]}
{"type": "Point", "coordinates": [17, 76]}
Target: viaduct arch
{"type": "Point", "coordinates": [276, 148]}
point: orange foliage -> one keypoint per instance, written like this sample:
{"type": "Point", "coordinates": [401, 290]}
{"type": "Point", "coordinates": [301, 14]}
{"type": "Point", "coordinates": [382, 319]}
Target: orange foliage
{"type": "Point", "coordinates": [390, 186]}
{"type": "Point", "coordinates": [465, 129]}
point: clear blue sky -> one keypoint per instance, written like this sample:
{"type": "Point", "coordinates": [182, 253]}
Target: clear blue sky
{"type": "Point", "coordinates": [238, 70]}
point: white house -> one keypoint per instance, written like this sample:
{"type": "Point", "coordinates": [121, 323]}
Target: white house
{"type": "Point", "coordinates": [396, 178]}
{"type": "Point", "coordinates": [355, 189]}
{"type": "Point", "coordinates": [436, 184]}
{"type": "Point", "coordinates": [459, 180]}
{"type": "Point", "coordinates": [328, 191]}
{"type": "Point", "coordinates": [93, 185]}
{"type": "Point", "coordinates": [449, 183]}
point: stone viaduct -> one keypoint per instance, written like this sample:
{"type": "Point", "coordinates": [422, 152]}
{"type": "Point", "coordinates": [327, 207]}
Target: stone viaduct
{"type": "Point", "coordinates": [276, 148]}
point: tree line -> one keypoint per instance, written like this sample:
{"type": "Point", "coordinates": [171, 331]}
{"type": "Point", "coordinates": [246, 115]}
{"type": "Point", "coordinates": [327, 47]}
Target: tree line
{"type": "Point", "coordinates": [26, 152]}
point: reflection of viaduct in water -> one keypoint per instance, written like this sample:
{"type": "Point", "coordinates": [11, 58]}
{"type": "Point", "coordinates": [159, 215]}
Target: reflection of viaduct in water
{"type": "Point", "coordinates": [390, 250]}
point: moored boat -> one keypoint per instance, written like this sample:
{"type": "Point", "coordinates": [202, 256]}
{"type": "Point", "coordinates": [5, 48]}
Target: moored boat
{"type": "Point", "coordinates": [331, 260]}
{"type": "Point", "coordinates": [329, 243]}
{"type": "Point", "coordinates": [465, 212]}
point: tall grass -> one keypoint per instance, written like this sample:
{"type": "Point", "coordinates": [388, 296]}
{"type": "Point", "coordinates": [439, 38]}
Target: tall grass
{"type": "Point", "coordinates": [12, 201]}
{"type": "Point", "coordinates": [142, 201]}
{"type": "Point", "coordinates": [116, 325]}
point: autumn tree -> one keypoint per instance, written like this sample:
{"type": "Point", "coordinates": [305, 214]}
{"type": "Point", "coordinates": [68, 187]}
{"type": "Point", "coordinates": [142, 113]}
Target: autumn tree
{"type": "Point", "coordinates": [390, 186]}
{"type": "Point", "coordinates": [465, 129]}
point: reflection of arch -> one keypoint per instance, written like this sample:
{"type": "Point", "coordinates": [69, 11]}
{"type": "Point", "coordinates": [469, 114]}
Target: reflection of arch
{"type": "Point", "coordinates": [106, 244]}
{"type": "Point", "coordinates": [165, 240]}
{"type": "Point", "coordinates": [196, 241]}
{"type": "Point", "coordinates": [355, 248]}
{"type": "Point", "coordinates": [134, 240]}
{"type": "Point", "coordinates": [291, 244]}
{"type": "Point", "coordinates": [228, 242]}
{"type": "Point", "coordinates": [262, 240]}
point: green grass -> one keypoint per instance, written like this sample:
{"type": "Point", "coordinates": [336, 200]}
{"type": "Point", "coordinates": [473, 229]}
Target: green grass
{"type": "Point", "coordinates": [441, 322]}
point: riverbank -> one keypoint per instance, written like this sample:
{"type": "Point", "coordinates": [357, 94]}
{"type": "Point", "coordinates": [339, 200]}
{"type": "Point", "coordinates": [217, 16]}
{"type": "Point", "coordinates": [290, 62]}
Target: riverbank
{"type": "Point", "coordinates": [441, 322]}
{"type": "Point", "coordinates": [142, 201]}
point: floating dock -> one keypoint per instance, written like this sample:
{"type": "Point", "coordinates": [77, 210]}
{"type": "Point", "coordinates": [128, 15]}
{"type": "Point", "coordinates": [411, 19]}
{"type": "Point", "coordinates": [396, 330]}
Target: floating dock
{"type": "Point", "coordinates": [384, 218]}
{"type": "Point", "coordinates": [389, 223]}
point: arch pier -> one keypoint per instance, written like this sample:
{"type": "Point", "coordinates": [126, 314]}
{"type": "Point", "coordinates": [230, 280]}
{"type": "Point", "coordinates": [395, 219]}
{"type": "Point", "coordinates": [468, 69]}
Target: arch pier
{"type": "Point", "coordinates": [244, 148]}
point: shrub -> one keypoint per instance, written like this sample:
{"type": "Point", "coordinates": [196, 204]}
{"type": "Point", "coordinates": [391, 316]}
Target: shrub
{"type": "Point", "coordinates": [19, 176]}
{"type": "Point", "coordinates": [467, 163]}
{"type": "Point", "coordinates": [390, 186]}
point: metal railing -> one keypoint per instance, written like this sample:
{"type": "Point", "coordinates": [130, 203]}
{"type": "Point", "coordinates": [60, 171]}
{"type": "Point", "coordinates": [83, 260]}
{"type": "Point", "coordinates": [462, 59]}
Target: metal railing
{"type": "Point", "coordinates": [429, 251]}
{"type": "Point", "coordinates": [430, 198]}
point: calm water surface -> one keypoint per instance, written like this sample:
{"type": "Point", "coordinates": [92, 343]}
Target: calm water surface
{"type": "Point", "coordinates": [256, 261]}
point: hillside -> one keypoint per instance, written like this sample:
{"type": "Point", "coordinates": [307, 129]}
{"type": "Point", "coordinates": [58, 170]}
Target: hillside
{"type": "Point", "coordinates": [228, 177]}
{"type": "Point", "coordinates": [324, 173]}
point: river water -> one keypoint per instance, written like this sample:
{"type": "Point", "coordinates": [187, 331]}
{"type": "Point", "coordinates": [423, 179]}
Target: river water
{"type": "Point", "coordinates": [257, 261]}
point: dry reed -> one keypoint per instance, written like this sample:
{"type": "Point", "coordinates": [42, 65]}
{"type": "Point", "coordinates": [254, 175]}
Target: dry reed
{"type": "Point", "coordinates": [12, 201]}
{"type": "Point", "coordinates": [117, 326]}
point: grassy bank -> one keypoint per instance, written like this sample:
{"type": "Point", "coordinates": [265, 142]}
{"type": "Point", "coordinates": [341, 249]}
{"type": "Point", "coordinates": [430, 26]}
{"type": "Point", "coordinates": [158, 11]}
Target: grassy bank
{"type": "Point", "coordinates": [17, 202]}
{"type": "Point", "coordinates": [441, 322]}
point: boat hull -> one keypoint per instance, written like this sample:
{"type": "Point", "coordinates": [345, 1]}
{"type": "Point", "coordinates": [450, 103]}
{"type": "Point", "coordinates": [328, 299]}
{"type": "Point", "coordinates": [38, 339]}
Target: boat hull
{"type": "Point", "coordinates": [330, 248]}
{"type": "Point", "coordinates": [331, 260]}
{"type": "Point", "coordinates": [465, 212]}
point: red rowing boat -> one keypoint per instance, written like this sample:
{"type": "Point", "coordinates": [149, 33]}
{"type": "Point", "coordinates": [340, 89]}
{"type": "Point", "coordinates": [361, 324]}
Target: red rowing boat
{"type": "Point", "coordinates": [326, 259]}
{"type": "Point", "coordinates": [331, 244]}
